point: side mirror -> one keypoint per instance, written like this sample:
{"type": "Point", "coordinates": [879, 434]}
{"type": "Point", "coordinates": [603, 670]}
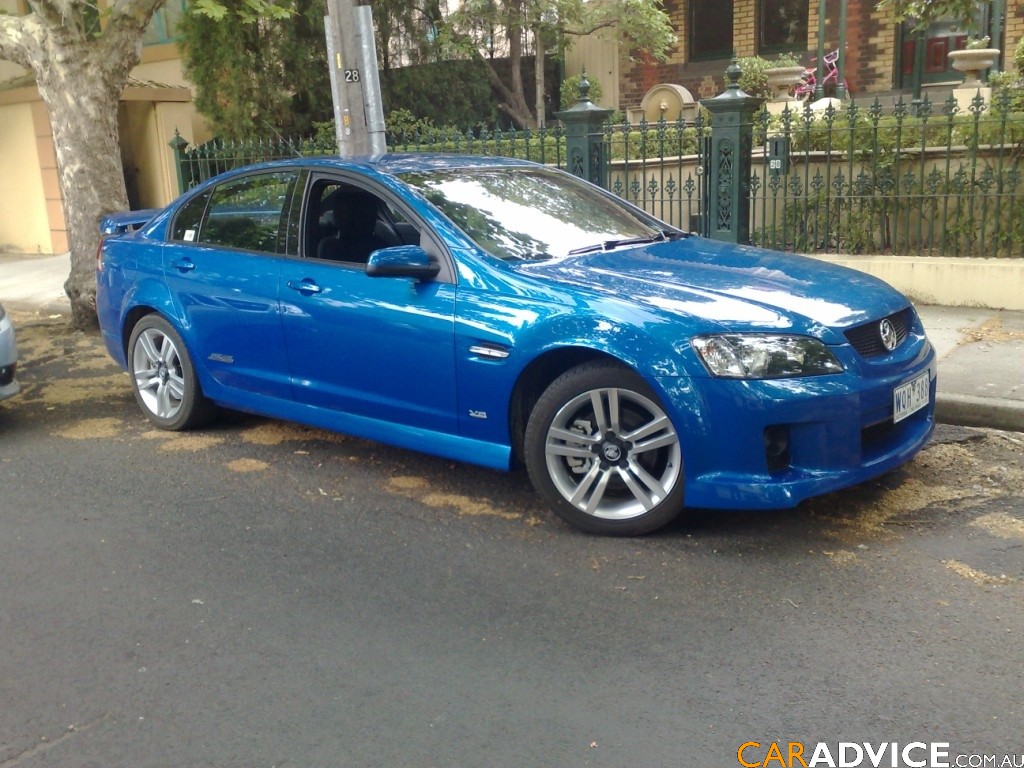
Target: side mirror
{"type": "Point", "coordinates": [402, 261]}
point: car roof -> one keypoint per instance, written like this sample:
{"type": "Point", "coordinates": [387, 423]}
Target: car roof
{"type": "Point", "coordinates": [395, 163]}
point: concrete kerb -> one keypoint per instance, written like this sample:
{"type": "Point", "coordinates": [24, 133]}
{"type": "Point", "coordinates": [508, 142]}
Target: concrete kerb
{"type": "Point", "coordinates": [972, 411]}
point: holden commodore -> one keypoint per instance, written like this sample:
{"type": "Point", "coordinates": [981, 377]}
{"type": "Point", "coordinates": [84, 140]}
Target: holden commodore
{"type": "Point", "coordinates": [503, 313]}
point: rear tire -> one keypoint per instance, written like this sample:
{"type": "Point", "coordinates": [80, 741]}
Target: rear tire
{"type": "Point", "coordinates": [163, 377]}
{"type": "Point", "coordinates": [601, 450]}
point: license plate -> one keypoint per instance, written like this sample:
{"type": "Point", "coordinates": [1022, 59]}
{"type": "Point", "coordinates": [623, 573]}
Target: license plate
{"type": "Point", "coordinates": [910, 397]}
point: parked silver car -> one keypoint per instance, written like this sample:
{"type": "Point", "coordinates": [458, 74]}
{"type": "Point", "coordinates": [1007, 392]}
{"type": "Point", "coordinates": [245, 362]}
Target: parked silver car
{"type": "Point", "coordinates": [8, 357]}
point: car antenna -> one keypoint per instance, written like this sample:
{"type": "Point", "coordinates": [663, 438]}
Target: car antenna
{"type": "Point", "coordinates": [282, 139]}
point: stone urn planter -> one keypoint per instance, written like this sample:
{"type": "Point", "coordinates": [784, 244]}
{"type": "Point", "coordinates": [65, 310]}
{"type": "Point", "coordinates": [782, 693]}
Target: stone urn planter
{"type": "Point", "coordinates": [973, 61]}
{"type": "Point", "coordinates": [782, 80]}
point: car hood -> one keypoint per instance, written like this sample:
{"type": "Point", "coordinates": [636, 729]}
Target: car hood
{"type": "Point", "coordinates": [738, 287]}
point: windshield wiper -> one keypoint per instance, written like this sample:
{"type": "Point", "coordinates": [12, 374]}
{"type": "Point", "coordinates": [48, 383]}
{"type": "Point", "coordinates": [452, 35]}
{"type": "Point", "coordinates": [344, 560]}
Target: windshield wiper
{"type": "Point", "coordinates": [609, 245]}
{"type": "Point", "coordinates": [674, 234]}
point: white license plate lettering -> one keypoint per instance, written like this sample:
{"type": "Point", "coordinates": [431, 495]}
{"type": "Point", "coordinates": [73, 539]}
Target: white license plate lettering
{"type": "Point", "coordinates": [910, 397]}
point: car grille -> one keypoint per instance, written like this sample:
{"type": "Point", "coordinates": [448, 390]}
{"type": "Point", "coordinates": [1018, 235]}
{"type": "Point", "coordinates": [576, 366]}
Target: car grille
{"type": "Point", "coordinates": [867, 339]}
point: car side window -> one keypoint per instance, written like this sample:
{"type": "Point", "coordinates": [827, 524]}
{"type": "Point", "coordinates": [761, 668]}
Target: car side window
{"type": "Point", "coordinates": [346, 223]}
{"type": "Point", "coordinates": [186, 223]}
{"type": "Point", "coordinates": [246, 213]}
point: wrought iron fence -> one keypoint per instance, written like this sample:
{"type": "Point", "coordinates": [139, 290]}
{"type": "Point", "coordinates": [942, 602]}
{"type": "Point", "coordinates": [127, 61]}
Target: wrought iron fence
{"type": "Point", "coordinates": [541, 145]}
{"type": "Point", "coordinates": [925, 179]}
{"type": "Point", "coordinates": [660, 167]}
{"type": "Point", "coordinates": [920, 179]}
{"type": "Point", "coordinates": [204, 161]}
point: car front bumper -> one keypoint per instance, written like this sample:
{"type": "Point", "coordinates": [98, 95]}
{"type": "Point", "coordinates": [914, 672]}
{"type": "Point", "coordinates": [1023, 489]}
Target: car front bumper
{"type": "Point", "coordinates": [771, 444]}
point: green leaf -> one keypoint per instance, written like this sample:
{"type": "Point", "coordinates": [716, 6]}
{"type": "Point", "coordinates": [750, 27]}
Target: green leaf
{"type": "Point", "coordinates": [210, 8]}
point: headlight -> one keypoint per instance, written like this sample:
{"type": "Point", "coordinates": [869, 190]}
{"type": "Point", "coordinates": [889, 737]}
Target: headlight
{"type": "Point", "coordinates": [764, 356]}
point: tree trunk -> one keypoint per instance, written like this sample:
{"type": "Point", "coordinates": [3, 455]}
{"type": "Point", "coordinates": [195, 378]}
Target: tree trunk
{"type": "Point", "coordinates": [512, 106]}
{"type": "Point", "coordinates": [518, 107]}
{"type": "Point", "coordinates": [90, 173]}
{"type": "Point", "coordinates": [82, 102]}
{"type": "Point", "coordinates": [80, 78]}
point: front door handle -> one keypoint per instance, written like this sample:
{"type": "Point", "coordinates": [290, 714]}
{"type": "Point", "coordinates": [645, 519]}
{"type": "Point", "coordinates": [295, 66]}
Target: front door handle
{"type": "Point", "coordinates": [184, 265]}
{"type": "Point", "coordinates": [306, 287]}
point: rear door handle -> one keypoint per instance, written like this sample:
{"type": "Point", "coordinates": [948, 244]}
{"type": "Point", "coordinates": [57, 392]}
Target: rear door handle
{"type": "Point", "coordinates": [184, 265]}
{"type": "Point", "coordinates": [306, 287]}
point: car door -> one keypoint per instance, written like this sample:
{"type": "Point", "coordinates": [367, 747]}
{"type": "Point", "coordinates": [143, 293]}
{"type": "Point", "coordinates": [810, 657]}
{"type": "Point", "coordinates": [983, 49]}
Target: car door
{"type": "Point", "coordinates": [378, 347]}
{"type": "Point", "coordinates": [223, 264]}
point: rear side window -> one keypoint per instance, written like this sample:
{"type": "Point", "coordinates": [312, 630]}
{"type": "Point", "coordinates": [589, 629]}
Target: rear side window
{"type": "Point", "coordinates": [186, 225]}
{"type": "Point", "coordinates": [246, 213]}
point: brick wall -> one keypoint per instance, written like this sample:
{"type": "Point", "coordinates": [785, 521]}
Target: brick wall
{"type": "Point", "coordinates": [871, 41]}
{"type": "Point", "coordinates": [744, 27]}
{"type": "Point", "coordinates": [1014, 32]}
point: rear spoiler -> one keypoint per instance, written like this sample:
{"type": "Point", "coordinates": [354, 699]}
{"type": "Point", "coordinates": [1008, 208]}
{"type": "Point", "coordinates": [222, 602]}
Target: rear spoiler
{"type": "Point", "coordinates": [126, 221]}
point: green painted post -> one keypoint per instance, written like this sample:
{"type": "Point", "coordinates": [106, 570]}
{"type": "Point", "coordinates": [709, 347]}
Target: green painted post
{"type": "Point", "coordinates": [996, 27]}
{"type": "Point", "coordinates": [819, 73]}
{"type": "Point", "coordinates": [178, 146]}
{"type": "Point", "coordinates": [584, 136]}
{"type": "Point", "coordinates": [729, 162]}
{"type": "Point", "coordinates": [841, 62]}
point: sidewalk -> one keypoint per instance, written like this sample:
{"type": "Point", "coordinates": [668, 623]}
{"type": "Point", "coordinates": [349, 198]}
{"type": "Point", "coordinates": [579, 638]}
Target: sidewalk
{"type": "Point", "coordinates": [980, 351]}
{"type": "Point", "coordinates": [35, 283]}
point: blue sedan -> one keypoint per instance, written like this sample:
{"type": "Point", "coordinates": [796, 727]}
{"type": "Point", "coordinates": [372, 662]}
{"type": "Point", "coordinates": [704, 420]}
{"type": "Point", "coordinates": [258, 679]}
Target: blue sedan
{"type": "Point", "coordinates": [503, 313]}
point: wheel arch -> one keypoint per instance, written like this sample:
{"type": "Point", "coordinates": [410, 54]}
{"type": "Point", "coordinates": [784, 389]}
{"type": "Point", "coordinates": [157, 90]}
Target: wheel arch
{"type": "Point", "coordinates": [149, 296]}
{"type": "Point", "coordinates": [537, 377]}
{"type": "Point", "coordinates": [131, 319]}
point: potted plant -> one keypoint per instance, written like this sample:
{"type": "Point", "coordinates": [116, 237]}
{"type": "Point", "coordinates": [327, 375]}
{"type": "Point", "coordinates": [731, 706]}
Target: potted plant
{"type": "Point", "coordinates": [783, 74]}
{"type": "Point", "coordinates": [974, 59]}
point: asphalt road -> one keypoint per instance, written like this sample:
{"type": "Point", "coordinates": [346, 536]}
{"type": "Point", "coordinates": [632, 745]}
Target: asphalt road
{"type": "Point", "coordinates": [259, 594]}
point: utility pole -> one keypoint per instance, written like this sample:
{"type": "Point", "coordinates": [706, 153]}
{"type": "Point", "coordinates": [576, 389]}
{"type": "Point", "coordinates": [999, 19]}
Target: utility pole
{"type": "Point", "coordinates": [355, 79]}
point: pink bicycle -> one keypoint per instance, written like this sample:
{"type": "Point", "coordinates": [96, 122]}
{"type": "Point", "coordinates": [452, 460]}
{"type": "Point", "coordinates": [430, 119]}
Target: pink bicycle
{"type": "Point", "coordinates": [830, 80]}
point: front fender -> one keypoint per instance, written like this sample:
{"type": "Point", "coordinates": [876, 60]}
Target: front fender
{"type": "Point", "coordinates": [501, 342]}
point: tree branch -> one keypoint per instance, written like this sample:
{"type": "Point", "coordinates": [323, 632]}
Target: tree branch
{"type": "Point", "coordinates": [18, 36]}
{"type": "Point", "coordinates": [123, 33]}
{"type": "Point", "coordinates": [595, 27]}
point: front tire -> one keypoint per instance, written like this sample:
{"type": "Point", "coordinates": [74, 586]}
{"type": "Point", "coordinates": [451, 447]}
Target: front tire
{"type": "Point", "coordinates": [163, 377]}
{"type": "Point", "coordinates": [601, 450]}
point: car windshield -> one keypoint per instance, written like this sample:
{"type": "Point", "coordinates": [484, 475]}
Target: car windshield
{"type": "Point", "coordinates": [532, 213]}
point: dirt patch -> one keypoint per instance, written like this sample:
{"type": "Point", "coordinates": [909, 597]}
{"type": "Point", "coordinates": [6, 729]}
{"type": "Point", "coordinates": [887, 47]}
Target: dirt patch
{"type": "Point", "coordinates": [247, 465]}
{"type": "Point", "coordinates": [992, 330]}
{"type": "Point", "coordinates": [960, 470]}
{"type": "Point", "coordinates": [56, 363]}
{"type": "Point", "coordinates": [276, 433]}
{"type": "Point", "coordinates": [69, 391]}
{"type": "Point", "coordinates": [190, 443]}
{"type": "Point", "coordinates": [842, 557]}
{"type": "Point", "coordinates": [91, 429]}
{"type": "Point", "coordinates": [1001, 525]}
{"type": "Point", "coordinates": [419, 489]}
{"type": "Point", "coordinates": [407, 485]}
{"type": "Point", "coordinates": [973, 574]}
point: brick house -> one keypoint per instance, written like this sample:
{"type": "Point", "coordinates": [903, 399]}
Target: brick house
{"type": "Point", "coordinates": [879, 50]}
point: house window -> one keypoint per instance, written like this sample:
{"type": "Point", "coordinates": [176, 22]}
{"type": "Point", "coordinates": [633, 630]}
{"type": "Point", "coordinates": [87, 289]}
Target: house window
{"type": "Point", "coordinates": [163, 28]}
{"type": "Point", "coordinates": [710, 29]}
{"type": "Point", "coordinates": [783, 25]}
